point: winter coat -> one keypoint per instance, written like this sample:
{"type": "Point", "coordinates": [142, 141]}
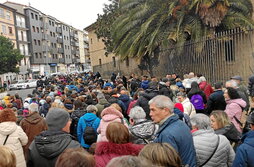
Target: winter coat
{"type": "Point", "coordinates": [251, 85]}
{"type": "Point", "coordinates": [87, 119]}
{"type": "Point", "coordinates": [100, 106]}
{"type": "Point", "coordinates": [144, 99]}
{"type": "Point", "coordinates": [244, 95]}
{"type": "Point", "coordinates": [200, 93]}
{"type": "Point", "coordinates": [17, 138]}
{"type": "Point", "coordinates": [143, 132]}
{"type": "Point", "coordinates": [145, 84]}
{"type": "Point", "coordinates": [244, 154]}
{"type": "Point", "coordinates": [206, 88]}
{"type": "Point", "coordinates": [109, 115]}
{"type": "Point", "coordinates": [216, 101]}
{"type": "Point", "coordinates": [46, 147]}
{"type": "Point", "coordinates": [125, 99]}
{"type": "Point", "coordinates": [177, 133]}
{"type": "Point", "coordinates": [189, 109]}
{"type": "Point", "coordinates": [164, 90]}
{"type": "Point", "coordinates": [32, 125]}
{"type": "Point", "coordinates": [75, 116]}
{"type": "Point", "coordinates": [230, 132]}
{"type": "Point", "coordinates": [105, 151]}
{"type": "Point", "coordinates": [234, 108]}
{"type": "Point", "coordinates": [183, 117]}
{"type": "Point", "coordinates": [132, 103]}
{"type": "Point", "coordinates": [205, 142]}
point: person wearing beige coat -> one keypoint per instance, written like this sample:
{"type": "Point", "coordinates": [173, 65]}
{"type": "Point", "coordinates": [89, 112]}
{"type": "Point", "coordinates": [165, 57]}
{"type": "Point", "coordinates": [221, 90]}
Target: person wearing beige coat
{"type": "Point", "coordinates": [16, 136]}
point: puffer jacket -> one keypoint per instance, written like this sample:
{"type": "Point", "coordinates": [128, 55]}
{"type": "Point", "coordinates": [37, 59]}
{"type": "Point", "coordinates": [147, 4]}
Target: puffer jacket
{"type": "Point", "coordinates": [109, 115]}
{"type": "Point", "coordinates": [75, 116]}
{"type": "Point", "coordinates": [46, 147]}
{"type": "Point", "coordinates": [234, 108]}
{"type": "Point", "coordinates": [32, 125]}
{"type": "Point", "coordinates": [230, 132]}
{"type": "Point", "coordinates": [205, 141]}
{"type": "Point", "coordinates": [189, 109]}
{"type": "Point", "coordinates": [244, 154]}
{"type": "Point", "coordinates": [143, 132]}
{"type": "Point", "coordinates": [17, 138]}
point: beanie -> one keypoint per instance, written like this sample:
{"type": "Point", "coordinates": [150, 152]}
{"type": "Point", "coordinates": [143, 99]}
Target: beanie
{"type": "Point", "coordinates": [57, 118]}
{"type": "Point", "coordinates": [179, 106]}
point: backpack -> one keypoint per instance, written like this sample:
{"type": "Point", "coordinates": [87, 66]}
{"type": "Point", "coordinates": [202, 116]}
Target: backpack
{"type": "Point", "coordinates": [197, 101]}
{"type": "Point", "coordinates": [90, 135]}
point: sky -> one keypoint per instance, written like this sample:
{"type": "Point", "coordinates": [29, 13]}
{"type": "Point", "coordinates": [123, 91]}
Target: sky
{"type": "Point", "coordinates": [78, 13]}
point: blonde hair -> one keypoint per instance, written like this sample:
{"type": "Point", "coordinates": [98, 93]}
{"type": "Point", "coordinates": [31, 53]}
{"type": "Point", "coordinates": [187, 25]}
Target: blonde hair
{"type": "Point", "coordinates": [161, 154]}
{"type": "Point", "coordinates": [221, 118]}
{"type": "Point", "coordinates": [7, 157]}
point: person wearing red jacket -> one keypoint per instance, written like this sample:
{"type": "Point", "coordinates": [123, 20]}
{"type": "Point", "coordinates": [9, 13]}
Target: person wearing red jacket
{"type": "Point", "coordinates": [205, 87]}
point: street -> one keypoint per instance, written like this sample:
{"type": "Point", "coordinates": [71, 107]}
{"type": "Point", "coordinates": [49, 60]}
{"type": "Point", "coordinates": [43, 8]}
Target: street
{"type": "Point", "coordinates": [22, 93]}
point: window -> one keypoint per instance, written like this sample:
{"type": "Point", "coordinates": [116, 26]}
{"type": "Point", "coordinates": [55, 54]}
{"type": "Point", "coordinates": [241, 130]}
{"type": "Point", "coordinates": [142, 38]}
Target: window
{"type": "Point", "coordinates": [52, 44]}
{"type": "Point", "coordinates": [22, 36]}
{"type": "Point", "coordinates": [2, 12]}
{"type": "Point", "coordinates": [100, 62]}
{"type": "Point", "coordinates": [114, 61]}
{"type": "Point", "coordinates": [4, 29]}
{"type": "Point", "coordinates": [229, 51]}
{"type": "Point", "coordinates": [67, 38]}
{"type": "Point", "coordinates": [39, 42]}
{"type": "Point", "coordinates": [35, 42]}
{"type": "Point", "coordinates": [25, 61]}
{"type": "Point", "coordinates": [10, 30]}
{"type": "Point", "coordinates": [24, 49]}
{"type": "Point", "coordinates": [36, 55]}
{"type": "Point", "coordinates": [63, 27]}
{"type": "Point", "coordinates": [55, 45]}
{"type": "Point", "coordinates": [40, 55]}
{"type": "Point", "coordinates": [33, 28]}
{"type": "Point", "coordinates": [68, 47]}
{"type": "Point", "coordinates": [51, 34]}
{"type": "Point", "coordinates": [56, 56]}
{"type": "Point", "coordinates": [8, 15]}
{"type": "Point", "coordinates": [49, 22]}
{"type": "Point", "coordinates": [64, 37]}
{"type": "Point", "coordinates": [36, 17]}
{"type": "Point", "coordinates": [32, 15]}
{"type": "Point", "coordinates": [91, 41]}
{"type": "Point", "coordinates": [38, 30]}
{"type": "Point", "coordinates": [54, 34]}
{"type": "Point", "coordinates": [66, 28]}
{"type": "Point", "coordinates": [53, 24]}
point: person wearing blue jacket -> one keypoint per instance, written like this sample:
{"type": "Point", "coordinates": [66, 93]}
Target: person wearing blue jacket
{"type": "Point", "coordinates": [90, 119]}
{"type": "Point", "coordinates": [172, 130]}
{"type": "Point", "coordinates": [245, 152]}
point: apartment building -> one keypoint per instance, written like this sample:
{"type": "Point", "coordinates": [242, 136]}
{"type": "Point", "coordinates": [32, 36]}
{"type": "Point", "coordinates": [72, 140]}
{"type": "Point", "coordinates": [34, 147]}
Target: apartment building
{"type": "Point", "coordinates": [7, 29]}
{"type": "Point", "coordinates": [54, 45]}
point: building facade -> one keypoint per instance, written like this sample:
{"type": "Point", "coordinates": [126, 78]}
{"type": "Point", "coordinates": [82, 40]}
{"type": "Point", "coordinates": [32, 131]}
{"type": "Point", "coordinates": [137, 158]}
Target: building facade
{"type": "Point", "coordinates": [8, 29]}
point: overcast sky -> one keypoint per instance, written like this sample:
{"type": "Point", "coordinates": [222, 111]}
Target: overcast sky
{"type": "Point", "coordinates": [78, 13]}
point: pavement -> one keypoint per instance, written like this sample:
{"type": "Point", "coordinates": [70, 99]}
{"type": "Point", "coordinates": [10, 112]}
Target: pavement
{"type": "Point", "coordinates": [22, 93]}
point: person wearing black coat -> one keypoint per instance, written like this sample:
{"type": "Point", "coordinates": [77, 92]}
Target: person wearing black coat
{"type": "Point", "coordinates": [164, 90]}
{"type": "Point", "coordinates": [216, 100]}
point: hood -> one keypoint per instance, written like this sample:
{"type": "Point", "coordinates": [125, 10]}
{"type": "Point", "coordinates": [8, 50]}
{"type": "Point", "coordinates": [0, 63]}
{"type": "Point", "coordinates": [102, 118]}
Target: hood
{"type": "Point", "coordinates": [202, 85]}
{"type": "Point", "coordinates": [230, 132]}
{"type": "Point", "coordinates": [150, 95]}
{"type": "Point", "coordinates": [112, 112]}
{"type": "Point", "coordinates": [248, 138]}
{"type": "Point", "coordinates": [33, 118]}
{"type": "Point", "coordinates": [7, 128]}
{"type": "Point", "coordinates": [179, 113]}
{"type": "Point", "coordinates": [240, 102]}
{"type": "Point", "coordinates": [202, 131]}
{"type": "Point", "coordinates": [119, 149]}
{"type": "Point", "coordinates": [51, 144]}
{"type": "Point", "coordinates": [68, 106]}
{"type": "Point", "coordinates": [88, 117]}
{"type": "Point", "coordinates": [144, 129]}
{"type": "Point", "coordinates": [124, 98]}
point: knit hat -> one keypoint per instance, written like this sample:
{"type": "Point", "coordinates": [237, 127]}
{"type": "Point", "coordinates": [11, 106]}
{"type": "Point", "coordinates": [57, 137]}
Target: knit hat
{"type": "Point", "coordinates": [179, 106]}
{"type": "Point", "coordinates": [57, 118]}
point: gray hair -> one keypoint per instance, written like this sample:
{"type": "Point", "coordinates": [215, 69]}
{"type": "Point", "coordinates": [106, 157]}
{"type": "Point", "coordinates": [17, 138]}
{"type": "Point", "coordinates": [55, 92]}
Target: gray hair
{"type": "Point", "coordinates": [162, 101]}
{"type": "Point", "coordinates": [201, 121]}
{"type": "Point", "coordinates": [182, 94]}
{"type": "Point", "coordinates": [137, 113]}
{"type": "Point", "coordinates": [231, 83]}
{"type": "Point", "coordinates": [91, 108]}
{"type": "Point", "coordinates": [33, 107]}
{"type": "Point", "coordinates": [100, 96]}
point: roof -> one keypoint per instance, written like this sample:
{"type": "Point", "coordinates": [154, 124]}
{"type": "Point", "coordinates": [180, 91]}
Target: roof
{"type": "Point", "coordinates": [90, 27]}
{"type": "Point", "coordinates": [4, 6]}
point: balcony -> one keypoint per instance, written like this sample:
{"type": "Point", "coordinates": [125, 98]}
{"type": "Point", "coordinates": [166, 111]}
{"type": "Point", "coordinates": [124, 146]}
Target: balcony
{"type": "Point", "coordinates": [76, 36]}
{"type": "Point", "coordinates": [45, 36]}
{"type": "Point", "coordinates": [59, 40]}
{"type": "Point", "coordinates": [76, 44]}
{"type": "Point", "coordinates": [86, 46]}
{"type": "Point", "coordinates": [72, 43]}
{"type": "Point", "coordinates": [76, 60]}
{"type": "Point", "coordinates": [61, 60]}
{"type": "Point", "coordinates": [58, 29]}
{"type": "Point", "coordinates": [73, 52]}
{"type": "Point", "coordinates": [77, 52]}
{"type": "Point", "coordinates": [45, 48]}
{"type": "Point", "coordinates": [60, 50]}
{"type": "Point", "coordinates": [71, 34]}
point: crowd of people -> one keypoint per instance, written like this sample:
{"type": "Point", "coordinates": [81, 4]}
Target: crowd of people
{"type": "Point", "coordinates": [83, 120]}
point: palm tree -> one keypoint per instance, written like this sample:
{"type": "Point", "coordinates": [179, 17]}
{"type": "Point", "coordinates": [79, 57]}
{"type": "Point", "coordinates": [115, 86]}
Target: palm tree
{"type": "Point", "coordinates": [146, 25]}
